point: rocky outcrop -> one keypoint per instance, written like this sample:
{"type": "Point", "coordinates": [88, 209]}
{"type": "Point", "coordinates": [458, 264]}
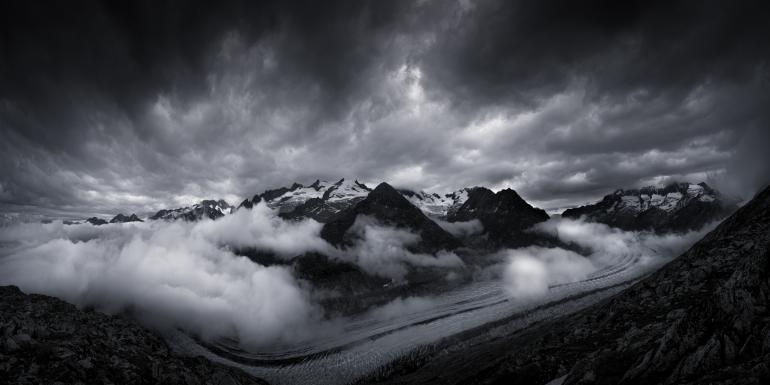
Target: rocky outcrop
{"type": "Point", "coordinates": [96, 221]}
{"type": "Point", "coordinates": [437, 205]}
{"type": "Point", "coordinates": [678, 207]}
{"type": "Point", "coordinates": [211, 209]}
{"type": "Point", "coordinates": [44, 340]}
{"type": "Point", "coordinates": [504, 215]}
{"type": "Point", "coordinates": [315, 208]}
{"type": "Point", "coordinates": [389, 207]}
{"type": "Point", "coordinates": [321, 200]}
{"type": "Point", "coordinates": [120, 218]}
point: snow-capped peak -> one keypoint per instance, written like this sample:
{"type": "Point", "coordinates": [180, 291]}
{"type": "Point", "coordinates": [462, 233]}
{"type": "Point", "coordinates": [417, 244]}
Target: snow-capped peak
{"type": "Point", "coordinates": [337, 195]}
{"type": "Point", "coordinates": [212, 209]}
{"type": "Point", "coordinates": [437, 205]}
{"type": "Point", "coordinates": [345, 189]}
{"type": "Point", "coordinates": [668, 198]}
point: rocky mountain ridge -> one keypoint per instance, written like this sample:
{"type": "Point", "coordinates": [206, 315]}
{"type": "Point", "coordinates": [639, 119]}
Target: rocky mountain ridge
{"type": "Point", "coordinates": [436, 205]}
{"type": "Point", "coordinates": [211, 209]}
{"type": "Point", "coordinates": [504, 215]}
{"type": "Point", "coordinates": [320, 200]}
{"type": "Point", "coordinates": [386, 205]}
{"type": "Point", "coordinates": [121, 218]}
{"type": "Point", "coordinates": [677, 207]}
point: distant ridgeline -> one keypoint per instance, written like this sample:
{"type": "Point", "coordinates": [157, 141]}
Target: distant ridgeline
{"type": "Point", "coordinates": [678, 207]}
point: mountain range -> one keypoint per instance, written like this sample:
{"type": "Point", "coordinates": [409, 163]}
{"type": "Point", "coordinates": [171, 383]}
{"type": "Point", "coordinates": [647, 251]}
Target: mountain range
{"type": "Point", "coordinates": [211, 209]}
{"type": "Point", "coordinates": [677, 207]}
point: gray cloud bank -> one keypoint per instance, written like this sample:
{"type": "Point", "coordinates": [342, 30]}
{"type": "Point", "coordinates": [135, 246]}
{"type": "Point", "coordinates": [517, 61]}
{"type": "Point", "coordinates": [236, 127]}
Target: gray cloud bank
{"type": "Point", "coordinates": [109, 107]}
{"type": "Point", "coordinates": [185, 274]}
{"type": "Point", "coordinates": [172, 274]}
{"type": "Point", "coordinates": [527, 273]}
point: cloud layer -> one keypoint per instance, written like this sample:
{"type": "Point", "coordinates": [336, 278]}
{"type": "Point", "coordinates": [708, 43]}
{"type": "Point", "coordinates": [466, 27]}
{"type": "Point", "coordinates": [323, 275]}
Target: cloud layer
{"type": "Point", "coordinates": [132, 107]}
{"type": "Point", "coordinates": [167, 274]}
{"type": "Point", "coordinates": [186, 274]}
{"type": "Point", "coordinates": [382, 250]}
{"type": "Point", "coordinates": [528, 272]}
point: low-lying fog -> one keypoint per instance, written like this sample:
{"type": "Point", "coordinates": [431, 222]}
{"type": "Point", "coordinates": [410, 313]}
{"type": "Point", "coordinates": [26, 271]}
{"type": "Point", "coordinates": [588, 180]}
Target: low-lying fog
{"type": "Point", "coordinates": [185, 275]}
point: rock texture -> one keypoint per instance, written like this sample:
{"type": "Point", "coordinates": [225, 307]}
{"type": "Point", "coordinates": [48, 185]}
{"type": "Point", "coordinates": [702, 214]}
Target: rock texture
{"type": "Point", "coordinates": [96, 221]}
{"type": "Point", "coordinates": [702, 319]}
{"type": "Point", "coordinates": [678, 207]}
{"type": "Point", "coordinates": [321, 200]}
{"type": "Point", "coordinates": [504, 215]}
{"type": "Point", "coordinates": [388, 206]}
{"type": "Point", "coordinates": [44, 340]}
{"type": "Point", "coordinates": [120, 218]}
{"type": "Point", "coordinates": [436, 205]}
{"type": "Point", "coordinates": [211, 209]}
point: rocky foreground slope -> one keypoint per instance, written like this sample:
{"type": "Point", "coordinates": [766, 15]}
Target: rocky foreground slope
{"type": "Point", "coordinates": [44, 340]}
{"type": "Point", "coordinates": [702, 319]}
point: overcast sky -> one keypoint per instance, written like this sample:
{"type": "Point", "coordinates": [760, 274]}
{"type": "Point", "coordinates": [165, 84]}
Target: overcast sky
{"type": "Point", "coordinates": [136, 105]}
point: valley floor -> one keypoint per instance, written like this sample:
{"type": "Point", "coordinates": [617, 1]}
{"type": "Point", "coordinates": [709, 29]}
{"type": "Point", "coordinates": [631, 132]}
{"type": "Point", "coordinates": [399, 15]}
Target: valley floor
{"type": "Point", "coordinates": [370, 347]}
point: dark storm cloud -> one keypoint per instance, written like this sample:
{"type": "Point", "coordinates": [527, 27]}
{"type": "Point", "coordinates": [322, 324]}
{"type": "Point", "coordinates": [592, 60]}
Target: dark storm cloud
{"type": "Point", "coordinates": [534, 48]}
{"type": "Point", "coordinates": [107, 106]}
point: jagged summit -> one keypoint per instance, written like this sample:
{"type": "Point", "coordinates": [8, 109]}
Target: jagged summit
{"type": "Point", "coordinates": [388, 206]}
{"type": "Point", "coordinates": [96, 221]}
{"type": "Point", "coordinates": [320, 200]}
{"type": "Point", "coordinates": [504, 215]}
{"type": "Point", "coordinates": [677, 207]}
{"type": "Point", "coordinates": [436, 205]}
{"type": "Point", "coordinates": [121, 218]}
{"type": "Point", "coordinates": [211, 209]}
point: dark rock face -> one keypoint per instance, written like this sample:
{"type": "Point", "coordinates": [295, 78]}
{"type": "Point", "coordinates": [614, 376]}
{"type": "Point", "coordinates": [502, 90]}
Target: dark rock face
{"type": "Point", "coordinates": [504, 215]}
{"type": "Point", "coordinates": [44, 340]}
{"type": "Point", "coordinates": [247, 203]}
{"type": "Point", "coordinates": [120, 218]}
{"type": "Point", "coordinates": [269, 195]}
{"type": "Point", "coordinates": [315, 208]}
{"type": "Point", "coordinates": [388, 206]}
{"type": "Point", "coordinates": [96, 221]}
{"type": "Point", "coordinates": [211, 209]}
{"type": "Point", "coordinates": [702, 319]}
{"type": "Point", "coordinates": [678, 207]}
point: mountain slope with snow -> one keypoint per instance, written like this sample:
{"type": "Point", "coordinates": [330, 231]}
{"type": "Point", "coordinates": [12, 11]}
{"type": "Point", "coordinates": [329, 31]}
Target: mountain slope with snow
{"type": "Point", "coordinates": [677, 207]}
{"type": "Point", "coordinates": [320, 200]}
{"type": "Point", "coordinates": [390, 208]}
{"type": "Point", "coordinates": [436, 205]}
{"type": "Point", "coordinates": [211, 209]}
